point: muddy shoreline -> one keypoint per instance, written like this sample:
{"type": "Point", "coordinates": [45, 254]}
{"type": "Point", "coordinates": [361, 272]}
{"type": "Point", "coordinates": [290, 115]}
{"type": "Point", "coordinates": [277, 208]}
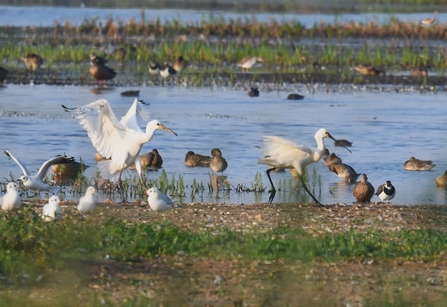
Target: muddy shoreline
{"type": "Point", "coordinates": [49, 77]}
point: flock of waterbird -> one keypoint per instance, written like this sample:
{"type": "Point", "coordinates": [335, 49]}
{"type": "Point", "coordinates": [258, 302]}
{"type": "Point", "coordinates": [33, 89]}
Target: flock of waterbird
{"type": "Point", "coordinates": [119, 142]}
{"type": "Point", "coordinates": [103, 73]}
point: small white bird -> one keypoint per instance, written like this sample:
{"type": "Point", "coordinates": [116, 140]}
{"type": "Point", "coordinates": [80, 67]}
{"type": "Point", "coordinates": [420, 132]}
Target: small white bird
{"type": "Point", "coordinates": [386, 192]}
{"type": "Point", "coordinates": [158, 201]}
{"type": "Point", "coordinates": [52, 211]}
{"type": "Point", "coordinates": [11, 200]}
{"type": "Point", "coordinates": [121, 141]}
{"type": "Point", "coordinates": [36, 182]}
{"type": "Point", "coordinates": [87, 202]}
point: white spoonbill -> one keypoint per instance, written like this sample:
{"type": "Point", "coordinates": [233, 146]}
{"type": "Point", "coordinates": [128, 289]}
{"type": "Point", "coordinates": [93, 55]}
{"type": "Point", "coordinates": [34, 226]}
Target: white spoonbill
{"type": "Point", "coordinates": [11, 200]}
{"type": "Point", "coordinates": [121, 141]}
{"type": "Point", "coordinates": [52, 211]}
{"type": "Point", "coordinates": [158, 201]}
{"type": "Point", "coordinates": [282, 153]}
{"type": "Point", "coordinates": [36, 182]}
{"type": "Point", "coordinates": [87, 202]}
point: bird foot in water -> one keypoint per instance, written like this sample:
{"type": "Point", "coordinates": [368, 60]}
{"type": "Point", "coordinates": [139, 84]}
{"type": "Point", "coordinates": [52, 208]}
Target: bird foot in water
{"type": "Point", "coordinates": [272, 195]}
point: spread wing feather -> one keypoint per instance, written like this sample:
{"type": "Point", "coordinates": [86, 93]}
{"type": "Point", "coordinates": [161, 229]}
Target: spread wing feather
{"type": "Point", "coordinates": [136, 110]}
{"type": "Point", "coordinates": [102, 126]}
{"type": "Point", "coordinates": [275, 149]}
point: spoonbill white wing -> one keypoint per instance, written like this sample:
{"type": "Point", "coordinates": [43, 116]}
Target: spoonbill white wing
{"type": "Point", "coordinates": [130, 119]}
{"type": "Point", "coordinates": [22, 167]}
{"type": "Point", "coordinates": [275, 149]}
{"type": "Point", "coordinates": [102, 126]}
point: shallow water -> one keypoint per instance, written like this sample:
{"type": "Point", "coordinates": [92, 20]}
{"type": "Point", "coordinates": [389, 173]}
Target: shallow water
{"type": "Point", "coordinates": [48, 16]}
{"type": "Point", "coordinates": [386, 129]}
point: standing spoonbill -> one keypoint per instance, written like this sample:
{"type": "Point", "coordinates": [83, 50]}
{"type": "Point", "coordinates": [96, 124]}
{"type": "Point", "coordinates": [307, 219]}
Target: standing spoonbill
{"type": "Point", "coordinates": [121, 141]}
{"type": "Point", "coordinates": [282, 153]}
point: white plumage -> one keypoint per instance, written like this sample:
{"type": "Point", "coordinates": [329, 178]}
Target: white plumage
{"type": "Point", "coordinates": [11, 200]}
{"type": "Point", "coordinates": [36, 182]}
{"type": "Point", "coordinates": [281, 153]}
{"type": "Point", "coordinates": [87, 202]}
{"type": "Point", "coordinates": [52, 211]}
{"type": "Point", "coordinates": [121, 141]}
{"type": "Point", "coordinates": [158, 201]}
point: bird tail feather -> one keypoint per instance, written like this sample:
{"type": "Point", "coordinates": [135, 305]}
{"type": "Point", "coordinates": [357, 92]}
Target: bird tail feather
{"type": "Point", "coordinates": [104, 167]}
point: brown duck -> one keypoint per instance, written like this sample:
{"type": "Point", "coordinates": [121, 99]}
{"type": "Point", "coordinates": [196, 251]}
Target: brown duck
{"type": "Point", "coordinates": [418, 165]}
{"type": "Point", "coordinates": [180, 64]}
{"type": "Point", "coordinates": [363, 190]}
{"type": "Point", "coordinates": [192, 159]}
{"type": "Point", "coordinates": [151, 160]}
{"type": "Point", "coordinates": [369, 70]}
{"type": "Point", "coordinates": [441, 181]}
{"type": "Point", "coordinates": [218, 164]}
{"type": "Point", "coordinates": [33, 61]}
{"type": "Point", "coordinates": [101, 73]}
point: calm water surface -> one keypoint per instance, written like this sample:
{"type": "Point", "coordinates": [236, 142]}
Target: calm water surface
{"type": "Point", "coordinates": [47, 16]}
{"type": "Point", "coordinates": [386, 128]}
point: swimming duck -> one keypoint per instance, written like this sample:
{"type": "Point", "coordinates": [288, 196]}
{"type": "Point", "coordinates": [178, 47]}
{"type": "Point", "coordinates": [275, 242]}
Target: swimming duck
{"type": "Point", "coordinates": [130, 93]}
{"type": "Point", "coordinates": [192, 159]}
{"type": "Point", "coordinates": [247, 62]}
{"type": "Point", "coordinates": [418, 165]}
{"type": "Point", "coordinates": [3, 74]}
{"type": "Point", "coordinates": [331, 159]}
{"type": "Point", "coordinates": [253, 92]}
{"type": "Point", "coordinates": [344, 143]}
{"type": "Point", "coordinates": [369, 70]}
{"type": "Point", "coordinates": [33, 61]}
{"type": "Point", "coordinates": [363, 190]}
{"type": "Point", "coordinates": [218, 163]}
{"type": "Point", "coordinates": [151, 159]}
{"type": "Point", "coordinates": [68, 170]}
{"type": "Point", "coordinates": [386, 191]}
{"type": "Point", "coordinates": [344, 172]}
{"type": "Point", "coordinates": [295, 97]}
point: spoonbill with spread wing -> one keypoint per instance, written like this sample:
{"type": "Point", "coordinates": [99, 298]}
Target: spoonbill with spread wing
{"type": "Point", "coordinates": [281, 153]}
{"type": "Point", "coordinates": [121, 141]}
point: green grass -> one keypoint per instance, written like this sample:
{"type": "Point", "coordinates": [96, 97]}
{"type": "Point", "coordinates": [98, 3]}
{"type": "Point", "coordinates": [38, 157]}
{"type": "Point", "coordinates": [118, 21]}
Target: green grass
{"type": "Point", "coordinates": [29, 245]}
